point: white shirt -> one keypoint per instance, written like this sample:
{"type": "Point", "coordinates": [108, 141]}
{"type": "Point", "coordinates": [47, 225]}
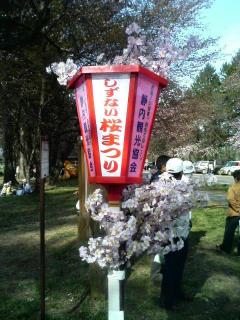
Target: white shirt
{"type": "Point", "coordinates": [181, 226]}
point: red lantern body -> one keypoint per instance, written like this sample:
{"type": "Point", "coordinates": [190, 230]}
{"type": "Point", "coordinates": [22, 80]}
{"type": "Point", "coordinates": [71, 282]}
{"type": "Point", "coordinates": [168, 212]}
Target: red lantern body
{"type": "Point", "coordinates": [116, 108]}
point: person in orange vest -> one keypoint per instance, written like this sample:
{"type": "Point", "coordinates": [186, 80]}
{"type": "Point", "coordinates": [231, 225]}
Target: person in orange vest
{"type": "Point", "coordinates": [233, 215]}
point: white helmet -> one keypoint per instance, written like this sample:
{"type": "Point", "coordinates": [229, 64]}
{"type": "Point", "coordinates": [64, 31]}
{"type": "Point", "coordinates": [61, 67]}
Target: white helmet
{"type": "Point", "coordinates": [188, 167]}
{"type": "Point", "coordinates": [174, 165]}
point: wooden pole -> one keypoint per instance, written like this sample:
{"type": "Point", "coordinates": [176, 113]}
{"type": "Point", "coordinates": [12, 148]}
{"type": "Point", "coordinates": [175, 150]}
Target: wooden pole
{"type": "Point", "coordinates": [83, 218]}
{"type": "Point", "coordinates": [88, 227]}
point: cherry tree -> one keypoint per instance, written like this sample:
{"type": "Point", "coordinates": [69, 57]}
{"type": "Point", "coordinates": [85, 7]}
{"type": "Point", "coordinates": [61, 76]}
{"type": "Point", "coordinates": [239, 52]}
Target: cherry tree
{"type": "Point", "coordinates": [145, 223]}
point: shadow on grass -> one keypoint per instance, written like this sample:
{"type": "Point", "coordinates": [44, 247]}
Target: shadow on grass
{"type": "Point", "coordinates": [212, 279]}
{"type": "Point", "coordinates": [18, 212]}
{"type": "Point", "coordinates": [195, 238]}
{"type": "Point", "coordinates": [66, 278]}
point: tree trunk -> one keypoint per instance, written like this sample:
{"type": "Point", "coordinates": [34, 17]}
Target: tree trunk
{"type": "Point", "coordinates": [8, 151]}
{"type": "Point", "coordinates": [9, 168]}
{"type": "Point", "coordinates": [24, 166]}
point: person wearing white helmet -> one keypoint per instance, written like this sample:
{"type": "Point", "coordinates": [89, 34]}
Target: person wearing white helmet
{"type": "Point", "coordinates": [188, 170]}
{"type": "Point", "coordinates": [173, 170]}
{"type": "Point", "coordinates": [174, 262]}
{"type": "Point", "coordinates": [174, 167]}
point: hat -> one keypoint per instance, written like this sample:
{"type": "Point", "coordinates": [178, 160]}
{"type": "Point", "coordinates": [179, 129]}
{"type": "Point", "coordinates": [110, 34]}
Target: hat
{"type": "Point", "coordinates": [174, 165]}
{"type": "Point", "coordinates": [188, 167]}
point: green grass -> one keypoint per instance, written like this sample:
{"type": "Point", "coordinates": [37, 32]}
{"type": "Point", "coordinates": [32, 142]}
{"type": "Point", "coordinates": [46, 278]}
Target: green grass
{"type": "Point", "coordinates": [217, 187]}
{"type": "Point", "coordinates": [213, 279]}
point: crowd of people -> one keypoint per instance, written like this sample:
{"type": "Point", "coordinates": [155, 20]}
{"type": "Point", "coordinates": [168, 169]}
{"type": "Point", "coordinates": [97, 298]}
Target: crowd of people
{"type": "Point", "coordinates": [170, 267]}
{"type": "Point", "coordinates": [23, 188]}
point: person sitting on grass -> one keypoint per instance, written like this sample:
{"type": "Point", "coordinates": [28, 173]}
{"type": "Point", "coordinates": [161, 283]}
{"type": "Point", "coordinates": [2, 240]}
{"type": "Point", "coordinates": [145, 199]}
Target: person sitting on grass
{"type": "Point", "coordinates": [232, 220]}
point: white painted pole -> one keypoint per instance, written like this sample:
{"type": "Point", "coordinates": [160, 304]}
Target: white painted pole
{"type": "Point", "coordinates": [190, 215]}
{"type": "Point", "coordinates": [116, 280]}
{"type": "Point", "coordinates": [116, 295]}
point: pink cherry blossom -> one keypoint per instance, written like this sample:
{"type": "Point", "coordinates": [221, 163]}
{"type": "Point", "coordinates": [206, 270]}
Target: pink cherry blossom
{"type": "Point", "coordinates": [144, 224]}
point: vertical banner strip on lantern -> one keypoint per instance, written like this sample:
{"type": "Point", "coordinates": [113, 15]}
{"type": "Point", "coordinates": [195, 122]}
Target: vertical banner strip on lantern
{"type": "Point", "coordinates": [84, 122]}
{"type": "Point", "coordinates": [110, 93]}
{"type": "Point", "coordinates": [92, 110]}
{"type": "Point", "coordinates": [145, 108]}
{"type": "Point", "coordinates": [151, 125]}
{"type": "Point", "coordinates": [129, 123]}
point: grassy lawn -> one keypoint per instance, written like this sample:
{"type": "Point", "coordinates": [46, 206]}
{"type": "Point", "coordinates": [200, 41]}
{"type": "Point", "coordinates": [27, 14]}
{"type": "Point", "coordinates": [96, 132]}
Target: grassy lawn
{"type": "Point", "coordinates": [213, 279]}
{"type": "Point", "coordinates": [217, 187]}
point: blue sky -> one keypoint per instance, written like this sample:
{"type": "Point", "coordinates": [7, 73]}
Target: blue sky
{"type": "Point", "coordinates": [223, 20]}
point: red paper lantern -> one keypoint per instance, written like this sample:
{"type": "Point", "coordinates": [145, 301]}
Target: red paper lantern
{"type": "Point", "coordinates": [116, 108]}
